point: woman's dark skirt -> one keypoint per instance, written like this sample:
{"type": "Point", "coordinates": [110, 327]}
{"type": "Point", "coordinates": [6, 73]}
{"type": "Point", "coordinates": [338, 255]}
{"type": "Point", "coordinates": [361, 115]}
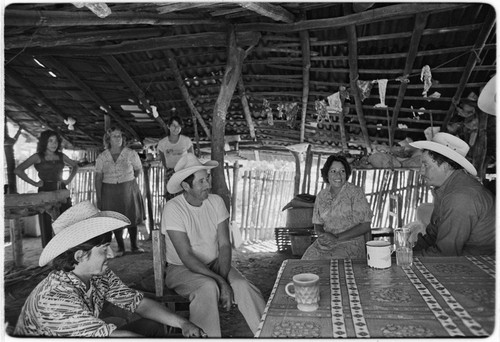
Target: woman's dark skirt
{"type": "Point", "coordinates": [124, 198]}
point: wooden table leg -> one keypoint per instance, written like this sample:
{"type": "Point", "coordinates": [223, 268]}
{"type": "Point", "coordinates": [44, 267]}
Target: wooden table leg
{"type": "Point", "coordinates": [16, 236]}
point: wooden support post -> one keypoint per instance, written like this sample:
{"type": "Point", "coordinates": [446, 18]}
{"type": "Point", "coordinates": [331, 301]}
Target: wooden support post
{"type": "Point", "coordinates": [480, 146]}
{"type": "Point", "coordinates": [306, 66]}
{"type": "Point", "coordinates": [145, 175]}
{"type": "Point", "coordinates": [232, 73]}
{"type": "Point", "coordinates": [16, 236]}
{"type": "Point", "coordinates": [296, 186]}
{"type": "Point", "coordinates": [306, 182]}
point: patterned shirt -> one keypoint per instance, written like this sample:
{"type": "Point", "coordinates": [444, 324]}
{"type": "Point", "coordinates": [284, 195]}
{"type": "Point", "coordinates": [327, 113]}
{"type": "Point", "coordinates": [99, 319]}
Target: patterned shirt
{"type": "Point", "coordinates": [60, 306]}
{"type": "Point", "coordinates": [120, 171]}
{"type": "Point", "coordinates": [338, 214]}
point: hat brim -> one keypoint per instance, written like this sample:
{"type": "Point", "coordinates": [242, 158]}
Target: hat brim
{"type": "Point", "coordinates": [447, 152]}
{"type": "Point", "coordinates": [174, 183]}
{"type": "Point", "coordinates": [102, 222]}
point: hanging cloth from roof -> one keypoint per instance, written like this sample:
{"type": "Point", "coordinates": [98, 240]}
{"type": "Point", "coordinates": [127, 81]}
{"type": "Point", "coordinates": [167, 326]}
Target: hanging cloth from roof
{"type": "Point", "coordinates": [426, 77]}
{"type": "Point", "coordinates": [382, 86]}
{"type": "Point", "coordinates": [268, 112]}
{"type": "Point", "coordinates": [334, 102]}
{"type": "Point", "coordinates": [321, 111]}
{"type": "Point", "coordinates": [365, 87]}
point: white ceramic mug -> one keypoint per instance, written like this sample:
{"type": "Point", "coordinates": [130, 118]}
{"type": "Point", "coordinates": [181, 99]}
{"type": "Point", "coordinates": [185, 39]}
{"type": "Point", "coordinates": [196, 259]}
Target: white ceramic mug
{"type": "Point", "coordinates": [306, 291]}
{"type": "Point", "coordinates": [378, 253]}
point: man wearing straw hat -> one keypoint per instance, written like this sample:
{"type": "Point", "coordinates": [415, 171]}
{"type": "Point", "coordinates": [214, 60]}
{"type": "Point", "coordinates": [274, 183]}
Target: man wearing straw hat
{"type": "Point", "coordinates": [67, 303]}
{"type": "Point", "coordinates": [463, 219]}
{"type": "Point", "coordinates": [195, 224]}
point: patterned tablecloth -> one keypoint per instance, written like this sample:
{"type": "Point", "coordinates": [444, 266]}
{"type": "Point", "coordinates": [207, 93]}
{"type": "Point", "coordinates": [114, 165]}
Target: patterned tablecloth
{"type": "Point", "coordinates": [436, 297]}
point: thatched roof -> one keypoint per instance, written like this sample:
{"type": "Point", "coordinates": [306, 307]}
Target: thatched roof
{"type": "Point", "coordinates": [66, 62]}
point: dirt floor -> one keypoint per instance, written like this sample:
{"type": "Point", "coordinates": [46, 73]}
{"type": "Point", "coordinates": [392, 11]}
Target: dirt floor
{"type": "Point", "coordinates": [259, 262]}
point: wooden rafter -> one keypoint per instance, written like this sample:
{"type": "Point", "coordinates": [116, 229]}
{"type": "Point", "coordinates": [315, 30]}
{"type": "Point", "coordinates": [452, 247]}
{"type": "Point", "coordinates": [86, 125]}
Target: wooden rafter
{"type": "Point", "coordinates": [246, 108]}
{"type": "Point", "coordinates": [55, 64]}
{"type": "Point", "coordinates": [31, 112]}
{"type": "Point", "coordinates": [208, 39]}
{"type": "Point", "coordinates": [370, 16]}
{"type": "Point", "coordinates": [31, 88]}
{"type": "Point", "coordinates": [354, 76]}
{"type": "Point", "coordinates": [61, 18]}
{"type": "Point", "coordinates": [420, 23]}
{"type": "Point", "coordinates": [306, 66]}
{"type": "Point", "coordinates": [274, 12]}
{"type": "Point", "coordinates": [488, 25]}
{"type": "Point", "coordinates": [185, 92]}
{"type": "Point", "coordinates": [125, 77]}
{"type": "Point", "coordinates": [59, 38]}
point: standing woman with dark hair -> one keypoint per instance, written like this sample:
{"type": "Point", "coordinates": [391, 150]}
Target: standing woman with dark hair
{"type": "Point", "coordinates": [116, 170]}
{"type": "Point", "coordinates": [171, 149]}
{"type": "Point", "coordinates": [49, 161]}
{"type": "Point", "coordinates": [341, 215]}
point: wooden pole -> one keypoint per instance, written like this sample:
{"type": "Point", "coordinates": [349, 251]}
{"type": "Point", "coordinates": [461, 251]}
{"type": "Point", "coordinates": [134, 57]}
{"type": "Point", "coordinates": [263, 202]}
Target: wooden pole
{"type": "Point", "coordinates": [246, 108]}
{"type": "Point", "coordinates": [145, 175]}
{"type": "Point", "coordinates": [16, 236]}
{"type": "Point", "coordinates": [232, 73]}
{"type": "Point", "coordinates": [244, 205]}
{"type": "Point", "coordinates": [296, 186]}
{"type": "Point", "coordinates": [306, 66]}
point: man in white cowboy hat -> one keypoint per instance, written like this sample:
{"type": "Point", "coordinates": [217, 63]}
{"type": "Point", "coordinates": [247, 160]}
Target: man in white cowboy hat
{"type": "Point", "coordinates": [196, 227]}
{"type": "Point", "coordinates": [463, 219]}
{"type": "Point", "coordinates": [68, 302]}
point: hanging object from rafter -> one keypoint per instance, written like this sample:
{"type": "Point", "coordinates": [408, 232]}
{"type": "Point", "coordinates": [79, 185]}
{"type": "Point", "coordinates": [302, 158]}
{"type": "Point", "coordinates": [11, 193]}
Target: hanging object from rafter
{"type": "Point", "coordinates": [426, 77]}
{"type": "Point", "coordinates": [99, 8]}
{"type": "Point", "coordinates": [71, 123]}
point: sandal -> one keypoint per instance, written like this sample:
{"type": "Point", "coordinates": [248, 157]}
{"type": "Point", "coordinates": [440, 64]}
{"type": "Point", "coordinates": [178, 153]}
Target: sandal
{"type": "Point", "coordinates": [138, 250]}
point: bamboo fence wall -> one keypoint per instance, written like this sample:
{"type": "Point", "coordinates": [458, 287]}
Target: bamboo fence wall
{"type": "Point", "coordinates": [261, 194]}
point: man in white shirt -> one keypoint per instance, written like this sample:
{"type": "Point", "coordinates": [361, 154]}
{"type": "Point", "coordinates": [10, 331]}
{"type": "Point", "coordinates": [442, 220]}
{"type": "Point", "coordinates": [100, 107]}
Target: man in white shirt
{"type": "Point", "coordinates": [196, 226]}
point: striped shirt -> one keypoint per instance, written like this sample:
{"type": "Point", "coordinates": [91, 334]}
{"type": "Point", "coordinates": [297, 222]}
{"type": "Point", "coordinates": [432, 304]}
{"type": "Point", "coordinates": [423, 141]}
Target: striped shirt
{"type": "Point", "coordinates": [61, 306]}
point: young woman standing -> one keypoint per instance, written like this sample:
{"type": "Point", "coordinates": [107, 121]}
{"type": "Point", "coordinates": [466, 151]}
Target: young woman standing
{"type": "Point", "coordinates": [49, 161]}
{"type": "Point", "coordinates": [171, 149]}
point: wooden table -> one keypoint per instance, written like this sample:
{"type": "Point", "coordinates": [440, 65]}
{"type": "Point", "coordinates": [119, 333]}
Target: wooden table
{"type": "Point", "coordinates": [24, 205]}
{"type": "Point", "coordinates": [436, 297]}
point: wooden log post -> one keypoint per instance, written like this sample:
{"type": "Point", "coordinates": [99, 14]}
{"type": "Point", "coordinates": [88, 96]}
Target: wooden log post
{"type": "Point", "coordinates": [10, 161]}
{"type": "Point", "coordinates": [145, 174]}
{"type": "Point", "coordinates": [232, 73]}
{"type": "Point", "coordinates": [296, 186]}
{"type": "Point", "coordinates": [16, 236]}
{"type": "Point", "coordinates": [306, 66]}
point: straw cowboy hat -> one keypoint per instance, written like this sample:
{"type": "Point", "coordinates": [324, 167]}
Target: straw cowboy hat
{"type": "Point", "coordinates": [78, 224]}
{"type": "Point", "coordinates": [185, 167]}
{"type": "Point", "coordinates": [449, 146]}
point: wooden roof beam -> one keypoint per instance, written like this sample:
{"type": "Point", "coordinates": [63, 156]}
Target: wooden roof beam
{"type": "Point", "coordinates": [31, 88]}
{"type": "Point", "coordinates": [420, 23]}
{"type": "Point", "coordinates": [353, 77]}
{"type": "Point", "coordinates": [370, 16]}
{"type": "Point", "coordinates": [206, 39]}
{"type": "Point", "coordinates": [488, 25]}
{"type": "Point", "coordinates": [60, 18]}
{"type": "Point", "coordinates": [185, 93]}
{"type": "Point", "coordinates": [125, 77]}
{"type": "Point", "coordinates": [55, 64]}
{"type": "Point", "coordinates": [274, 12]}
{"type": "Point", "coordinates": [60, 38]}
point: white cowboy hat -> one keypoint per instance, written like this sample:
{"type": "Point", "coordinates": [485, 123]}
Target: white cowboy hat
{"type": "Point", "coordinates": [487, 98]}
{"type": "Point", "coordinates": [78, 224]}
{"type": "Point", "coordinates": [449, 146]}
{"type": "Point", "coordinates": [185, 167]}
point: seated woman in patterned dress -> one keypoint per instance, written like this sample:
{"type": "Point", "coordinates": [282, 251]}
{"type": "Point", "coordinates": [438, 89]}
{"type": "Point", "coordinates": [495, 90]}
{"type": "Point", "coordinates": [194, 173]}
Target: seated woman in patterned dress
{"type": "Point", "coordinates": [341, 215]}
